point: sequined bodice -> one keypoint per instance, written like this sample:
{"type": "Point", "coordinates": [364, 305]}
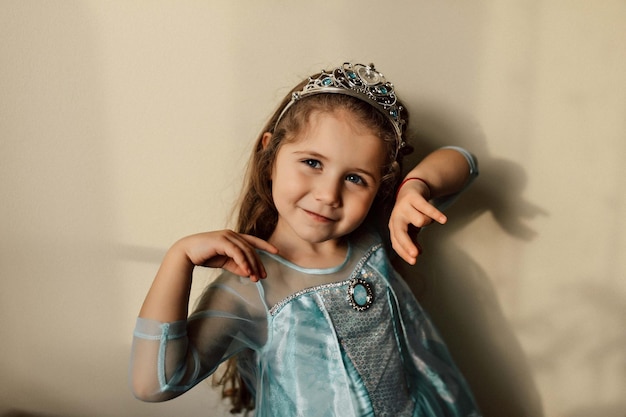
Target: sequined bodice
{"type": "Point", "coordinates": [337, 327]}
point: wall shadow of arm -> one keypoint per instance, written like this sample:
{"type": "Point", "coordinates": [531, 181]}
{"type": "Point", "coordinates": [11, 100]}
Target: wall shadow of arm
{"type": "Point", "coordinates": [454, 289]}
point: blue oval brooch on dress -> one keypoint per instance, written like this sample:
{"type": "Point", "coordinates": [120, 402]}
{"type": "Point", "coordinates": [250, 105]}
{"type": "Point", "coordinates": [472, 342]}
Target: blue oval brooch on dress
{"type": "Point", "coordinates": [360, 294]}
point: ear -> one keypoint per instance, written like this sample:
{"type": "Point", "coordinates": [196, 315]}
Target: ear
{"type": "Point", "coordinates": [265, 140]}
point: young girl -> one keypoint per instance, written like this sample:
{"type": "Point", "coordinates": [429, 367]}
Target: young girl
{"type": "Point", "coordinates": [308, 308]}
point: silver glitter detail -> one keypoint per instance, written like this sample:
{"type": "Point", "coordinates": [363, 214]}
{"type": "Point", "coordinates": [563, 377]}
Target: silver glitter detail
{"type": "Point", "coordinates": [356, 271]}
{"type": "Point", "coordinates": [276, 308]}
{"type": "Point", "coordinates": [370, 342]}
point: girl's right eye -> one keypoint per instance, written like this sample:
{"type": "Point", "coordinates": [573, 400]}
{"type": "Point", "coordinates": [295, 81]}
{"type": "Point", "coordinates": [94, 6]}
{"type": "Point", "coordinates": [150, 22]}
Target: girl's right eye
{"type": "Point", "coordinates": [313, 163]}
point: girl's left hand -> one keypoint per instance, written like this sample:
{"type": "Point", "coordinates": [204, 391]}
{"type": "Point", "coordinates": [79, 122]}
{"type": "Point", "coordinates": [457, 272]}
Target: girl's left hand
{"type": "Point", "coordinates": [411, 208]}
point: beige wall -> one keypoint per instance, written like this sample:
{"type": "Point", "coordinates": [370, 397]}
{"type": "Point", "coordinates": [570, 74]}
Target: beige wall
{"type": "Point", "coordinates": [126, 124]}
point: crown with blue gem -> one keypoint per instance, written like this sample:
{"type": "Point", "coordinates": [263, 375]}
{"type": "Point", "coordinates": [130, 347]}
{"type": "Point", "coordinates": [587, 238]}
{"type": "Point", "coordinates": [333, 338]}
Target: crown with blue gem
{"type": "Point", "coordinates": [360, 81]}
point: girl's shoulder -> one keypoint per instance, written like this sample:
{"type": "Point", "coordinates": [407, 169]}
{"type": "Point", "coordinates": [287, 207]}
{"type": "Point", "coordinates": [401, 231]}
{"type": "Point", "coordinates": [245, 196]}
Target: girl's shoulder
{"type": "Point", "coordinates": [230, 291]}
{"type": "Point", "coordinates": [226, 278]}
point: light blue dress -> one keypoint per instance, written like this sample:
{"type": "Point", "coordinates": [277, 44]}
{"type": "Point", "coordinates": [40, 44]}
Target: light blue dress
{"type": "Point", "coordinates": [345, 341]}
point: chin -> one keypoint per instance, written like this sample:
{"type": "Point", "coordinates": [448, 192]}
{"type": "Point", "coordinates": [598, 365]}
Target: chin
{"type": "Point", "coordinates": [316, 237]}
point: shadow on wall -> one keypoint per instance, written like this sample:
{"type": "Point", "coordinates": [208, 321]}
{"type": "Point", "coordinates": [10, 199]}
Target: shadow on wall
{"type": "Point", "coordinates": [455, 290]}
{"type": "Point", "coordinates": [18, 413]}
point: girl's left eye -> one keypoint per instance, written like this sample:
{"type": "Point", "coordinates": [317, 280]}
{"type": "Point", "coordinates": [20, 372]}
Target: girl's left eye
{"type": "Point", "coordinates": [356, 179]}
{"type": "Point", "coordinates": [313, 163]}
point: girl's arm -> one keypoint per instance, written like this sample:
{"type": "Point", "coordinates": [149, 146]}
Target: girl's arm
{"type": "Point", "coordinates": [164, 361]}
{"type": "Point", "coordinates": [168, 297]}
{"type": "Point", "coordinates": [444, 172]}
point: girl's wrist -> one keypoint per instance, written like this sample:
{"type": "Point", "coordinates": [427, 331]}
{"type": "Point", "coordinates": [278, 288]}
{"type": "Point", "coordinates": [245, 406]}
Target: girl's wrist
{"type": "Point", "coordinates": [178, 254]}
{"type": "Point", "coordinates": [421, 180]}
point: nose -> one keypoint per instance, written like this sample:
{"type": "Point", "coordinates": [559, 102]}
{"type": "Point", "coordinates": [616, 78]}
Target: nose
{"type": "Point", "coordinates": [328, 191]}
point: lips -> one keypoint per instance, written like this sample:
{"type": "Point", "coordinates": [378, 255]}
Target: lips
{"type": "Point", "coordinates": [318, 217]}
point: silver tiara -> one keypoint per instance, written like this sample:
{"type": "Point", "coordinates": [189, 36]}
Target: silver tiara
{"type": "Point", "coordinates": [360, 81]}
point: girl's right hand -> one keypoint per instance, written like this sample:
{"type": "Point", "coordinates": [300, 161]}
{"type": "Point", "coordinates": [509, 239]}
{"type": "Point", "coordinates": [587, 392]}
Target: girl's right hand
{"type": "Point", "coordinates": [226, 249]}
{"type": "Point", "coordinates": [411, 212]}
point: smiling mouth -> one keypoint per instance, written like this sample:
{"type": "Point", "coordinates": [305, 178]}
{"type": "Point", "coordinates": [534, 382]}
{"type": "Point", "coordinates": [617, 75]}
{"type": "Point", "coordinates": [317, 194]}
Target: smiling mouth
{"type": "Point", "coordinates": [318, 217]}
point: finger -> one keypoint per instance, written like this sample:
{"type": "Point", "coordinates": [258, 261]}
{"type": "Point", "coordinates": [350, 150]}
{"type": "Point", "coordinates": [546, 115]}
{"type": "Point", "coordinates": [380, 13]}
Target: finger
{"type": "Point", "coordinates": [431, 212]}
{"type": "Point", "coordinates": [250, 245]}
{"type": "Point", "coordinates": [236, 254]}
{"type": "Point", "coordinates": [418, 219]}
{"type": "Point", "coordinates": [401, 242]}
{"type": "Point", "coordinates": [259, 243]}
{"type": "Point", "coordinates": [236, 258]}
{"type": "Point", "coordinates": [247, 246]}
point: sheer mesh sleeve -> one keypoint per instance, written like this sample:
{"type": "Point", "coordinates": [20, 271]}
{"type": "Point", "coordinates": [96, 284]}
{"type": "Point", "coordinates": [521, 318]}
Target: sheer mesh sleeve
{"type": "Point", "coordinates": [170, 358]}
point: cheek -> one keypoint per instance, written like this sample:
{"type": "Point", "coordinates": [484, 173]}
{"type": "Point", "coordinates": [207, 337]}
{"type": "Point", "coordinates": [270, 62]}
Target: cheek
{"type": "Point", "coordinates": [361, 205]}
{"type": "Point", "coordinates": [285, 184]}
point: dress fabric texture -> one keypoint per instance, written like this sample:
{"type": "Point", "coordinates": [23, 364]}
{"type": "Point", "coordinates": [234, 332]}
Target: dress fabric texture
{"type": "Point", "coordinates": [312, 353]}
{"type": "Point", "coordinates": [348, 341]}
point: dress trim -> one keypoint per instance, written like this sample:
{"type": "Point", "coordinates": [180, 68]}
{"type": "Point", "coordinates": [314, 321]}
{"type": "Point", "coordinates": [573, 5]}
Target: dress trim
{"type": "Point", "coordinates": [278, 306]}
{"type": "Point", "coordinates": [297, 294]}
{"type": "Point", "coordinates": [312, 271]}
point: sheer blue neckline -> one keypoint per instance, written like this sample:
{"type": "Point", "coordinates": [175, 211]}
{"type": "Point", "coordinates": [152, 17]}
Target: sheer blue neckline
{"type": "Point", "coordinates": [313, 271]}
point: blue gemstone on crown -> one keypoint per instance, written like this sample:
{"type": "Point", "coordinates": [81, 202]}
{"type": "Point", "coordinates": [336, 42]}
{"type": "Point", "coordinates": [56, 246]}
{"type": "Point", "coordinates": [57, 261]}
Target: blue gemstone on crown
{"type": "Point", "coordinates": [327, 82]}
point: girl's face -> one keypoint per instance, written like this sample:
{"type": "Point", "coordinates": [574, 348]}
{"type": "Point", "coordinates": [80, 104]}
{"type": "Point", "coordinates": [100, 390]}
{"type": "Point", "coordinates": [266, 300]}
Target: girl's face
{"type": "Point", "coordinates": [324, 181]}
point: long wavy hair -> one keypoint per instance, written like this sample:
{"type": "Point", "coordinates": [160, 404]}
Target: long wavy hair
{"type": "Point", "coordinates": [257, 213]}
